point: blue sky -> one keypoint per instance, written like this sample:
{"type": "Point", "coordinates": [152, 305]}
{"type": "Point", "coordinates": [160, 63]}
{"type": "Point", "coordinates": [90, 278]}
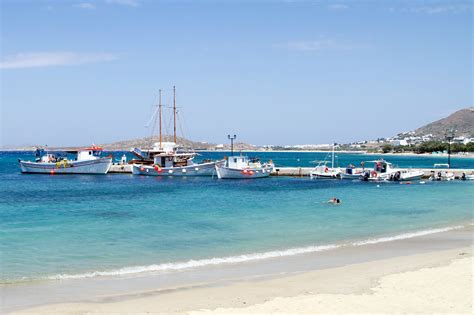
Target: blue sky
{"type": "Point", "coordinates": [273, 72]}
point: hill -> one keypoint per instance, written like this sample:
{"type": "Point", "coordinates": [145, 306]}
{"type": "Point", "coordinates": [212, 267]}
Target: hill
{"type": "Point", "coordinates": [462, 121]}
{"type": "Point", "coordinates": [147, 142]}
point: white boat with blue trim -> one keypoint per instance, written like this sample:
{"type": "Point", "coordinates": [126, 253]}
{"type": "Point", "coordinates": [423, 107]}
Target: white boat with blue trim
{"type": "Point", "coordinates": [85, 161]}
{"type": "Point", "coordinates": [241, 167]}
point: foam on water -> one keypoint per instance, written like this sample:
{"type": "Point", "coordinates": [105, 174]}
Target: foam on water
{"type": "Point", "coordinates": [177, 266]}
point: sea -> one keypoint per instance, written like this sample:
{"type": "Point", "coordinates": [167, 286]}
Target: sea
{"type": "Point", "coordinates": [55, 227]}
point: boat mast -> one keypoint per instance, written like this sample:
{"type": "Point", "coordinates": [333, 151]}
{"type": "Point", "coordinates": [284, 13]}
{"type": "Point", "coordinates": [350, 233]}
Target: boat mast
{"type": "Point", "coordinates": [332, 156]}
{"type": "Point", "coordinates": [160, 111]}
{"type": "Point", "coordinates": [174, 113]}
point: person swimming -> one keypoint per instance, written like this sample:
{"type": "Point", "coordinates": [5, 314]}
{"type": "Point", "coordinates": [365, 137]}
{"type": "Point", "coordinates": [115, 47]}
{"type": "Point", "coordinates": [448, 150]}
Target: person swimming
{"type": "Point", "coordinates": [334, 201]}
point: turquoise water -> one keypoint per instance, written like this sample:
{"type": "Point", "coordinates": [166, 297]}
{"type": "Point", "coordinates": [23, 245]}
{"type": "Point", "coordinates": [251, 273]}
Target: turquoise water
{"type": "Point", "coordinates": [72, 226]}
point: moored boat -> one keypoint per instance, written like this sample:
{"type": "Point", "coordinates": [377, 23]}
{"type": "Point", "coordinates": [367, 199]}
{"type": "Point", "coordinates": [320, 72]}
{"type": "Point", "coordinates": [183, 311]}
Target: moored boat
{"type": "Point", "coordinates": [168, 161]}
{"type": "Point", "coordinates": [351, 173]}
{"type": "Point", "coordinates": [384, 171]}
{"type": "Point", "coordinates": [165, 158]}
{"type": "Point", "coordinates": [240, 167]}
{"type": "Point", "coordinates": [442, 176]}
{"type": "Point", "coordinates": [86, 161]}
{"type": "Point", "coordinates": [323, 171]}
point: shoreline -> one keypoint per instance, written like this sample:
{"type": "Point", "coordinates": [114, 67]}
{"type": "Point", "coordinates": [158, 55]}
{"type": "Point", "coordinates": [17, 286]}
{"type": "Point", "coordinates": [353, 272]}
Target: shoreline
{"type": "Point", "coordinates": [224, 278]}
{"type": "Point", "coordinates": [453, 155]}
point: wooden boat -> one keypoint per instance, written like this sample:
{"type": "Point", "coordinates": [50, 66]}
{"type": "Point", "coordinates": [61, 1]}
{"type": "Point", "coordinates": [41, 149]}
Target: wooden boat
{"type": "Point", "coordinates": [165, 158]}
{"type": "Point", "coordinates": [241, 167]}
{"type": "Point", "coordinates": [86, 161]}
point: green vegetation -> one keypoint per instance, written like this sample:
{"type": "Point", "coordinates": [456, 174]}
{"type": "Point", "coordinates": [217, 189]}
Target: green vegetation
{"type": "Point", "coordinates": [428, 147]}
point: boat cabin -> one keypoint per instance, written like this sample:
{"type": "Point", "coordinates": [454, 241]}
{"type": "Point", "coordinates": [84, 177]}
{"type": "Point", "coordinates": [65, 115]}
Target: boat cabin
{"type": "Point", "coordinates": [92, 153]}
{"type": "Point", "coordinates": [237, 162]}
{"type": "Point", "coordinates": [382, 166]}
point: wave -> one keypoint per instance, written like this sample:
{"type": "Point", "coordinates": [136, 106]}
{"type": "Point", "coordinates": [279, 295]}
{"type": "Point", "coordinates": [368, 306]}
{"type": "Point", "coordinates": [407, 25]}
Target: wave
{"type": "Point", "coordinates": [405, 235]}
{"type": "Point", "coordinates": [190, 264]}
{"type": "Point", "coordinates": [197, 263]}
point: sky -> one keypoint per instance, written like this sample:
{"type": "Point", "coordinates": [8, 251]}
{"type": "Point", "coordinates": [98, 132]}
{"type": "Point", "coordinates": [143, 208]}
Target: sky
{"type": "Point", "coordinates": [269, 71]}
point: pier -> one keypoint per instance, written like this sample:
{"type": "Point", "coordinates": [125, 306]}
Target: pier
{"type": "Point", "coordinates": [304, 171]}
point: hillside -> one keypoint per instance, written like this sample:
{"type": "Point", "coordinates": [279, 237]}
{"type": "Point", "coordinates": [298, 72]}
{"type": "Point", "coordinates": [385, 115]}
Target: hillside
{"type": "Point", "coordinates": [147, 142]}
{"type": "Point", "coordinates": [462, 121]}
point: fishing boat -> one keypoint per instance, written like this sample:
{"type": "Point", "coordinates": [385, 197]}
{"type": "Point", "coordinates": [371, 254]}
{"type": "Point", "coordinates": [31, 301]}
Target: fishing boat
{"type": "Point", "coordinates": [384, 171]}
{"type": "Point", "coordinates": [85, 161]}
{"type": "Point", "coordinates": [323, 171]}
{"type": "Point", "coordinates": [166, 158]}
{"type": "Point", "coordinates": [242, 167]}
{"type": "Point", "coordinates": [351, 173]}
{"type": "Point", "coordinates": [441, 176]}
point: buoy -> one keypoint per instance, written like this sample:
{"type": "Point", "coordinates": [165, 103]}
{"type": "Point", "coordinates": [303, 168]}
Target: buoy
{"type": "Point", "coordinates": [52, 172]}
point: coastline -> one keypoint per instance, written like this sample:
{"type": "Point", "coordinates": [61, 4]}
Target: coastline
{"type": "Point", "coordinates": [453, 155]}
{"type": "Point", "coordinates": [290, 277]}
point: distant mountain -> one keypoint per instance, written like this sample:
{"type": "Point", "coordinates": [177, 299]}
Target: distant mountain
{"type": "Point", "coordinates": [462, 121]}
{"type": "Point", "coordinates": [148, 142]}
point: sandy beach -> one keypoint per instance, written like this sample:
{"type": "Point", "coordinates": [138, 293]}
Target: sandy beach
{"type": "Point", "coordinates": [434, 281]}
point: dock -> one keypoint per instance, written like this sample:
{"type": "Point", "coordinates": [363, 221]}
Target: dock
{"type": "Point", "coordinates": [304, 171]}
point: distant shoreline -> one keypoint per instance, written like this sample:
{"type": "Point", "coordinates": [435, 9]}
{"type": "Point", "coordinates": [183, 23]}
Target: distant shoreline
{"type": "Point", "coordinates": [455, 155]}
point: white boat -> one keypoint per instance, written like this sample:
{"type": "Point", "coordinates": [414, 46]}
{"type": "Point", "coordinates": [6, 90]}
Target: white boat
{"type": "Point", "coordinates": [165, 158]}
{"type": "Point", "coordinates": [468, 177]}
{"type": "Point", "coordinates": [168, 161]}
{"type": "Point", "coordinates": [351, 173]}
{"type": "Point", "coordinates": [86, 161]}
{"type": "Point", "coordinates": [384, 171]}
{"type": "Point", "coordinates": [442, 176]}
{"type": "Point", "coordinates": [241, 167]}
{"type": "Point", "coordinates": [323, 171]}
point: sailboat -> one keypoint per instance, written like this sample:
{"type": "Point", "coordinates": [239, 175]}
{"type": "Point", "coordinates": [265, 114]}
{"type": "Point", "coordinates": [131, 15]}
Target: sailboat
{"type": "Point", "coordinates": [165, 158]}
{"type": "Point", "coordinates": [323, 171]}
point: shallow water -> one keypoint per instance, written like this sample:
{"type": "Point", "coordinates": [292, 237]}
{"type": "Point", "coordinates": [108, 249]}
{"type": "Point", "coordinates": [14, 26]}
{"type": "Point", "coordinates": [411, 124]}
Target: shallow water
{"type": "Point", "coordinates": [81, 226]}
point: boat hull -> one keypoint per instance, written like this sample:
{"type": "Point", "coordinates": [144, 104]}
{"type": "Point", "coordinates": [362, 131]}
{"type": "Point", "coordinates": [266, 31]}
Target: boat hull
{"type": "Point", "coordinates": [98, 166]}
{"type": "Point", "coordinates": [351, 176]}
{"type": "Point", "coordinates": [203, 169]}
{"type": "Point", "coordinates": [325, 173]}
{"type": "Point", "coordinates": [233, 173]}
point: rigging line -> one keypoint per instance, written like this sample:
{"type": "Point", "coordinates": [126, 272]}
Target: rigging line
{"type": "Point", "coordinates": [180, 126]}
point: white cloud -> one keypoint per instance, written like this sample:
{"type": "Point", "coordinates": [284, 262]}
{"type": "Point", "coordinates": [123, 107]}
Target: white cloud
{"type": "Point", "coordinates": [85, 5]}
{"type": "Point", "coordinates": [437, 9]}
{"type": "Point", "coordinates": [131, 3]}
{"type": "Point", "coordinates": [434, 8]}
{"type": "Point", "coordinates": [316, 45]}
{"type": "Point", "coordinates": [48, 59]}
{"type": "Point", "coordinates": [338, 7]}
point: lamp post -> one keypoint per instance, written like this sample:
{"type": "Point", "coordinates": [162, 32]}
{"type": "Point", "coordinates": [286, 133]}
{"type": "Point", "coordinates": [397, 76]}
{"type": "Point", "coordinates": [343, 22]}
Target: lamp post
{"type": "Point", "coordinates": [449, 135]}
{"type": "Point", "coordinates": [231, 143]}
